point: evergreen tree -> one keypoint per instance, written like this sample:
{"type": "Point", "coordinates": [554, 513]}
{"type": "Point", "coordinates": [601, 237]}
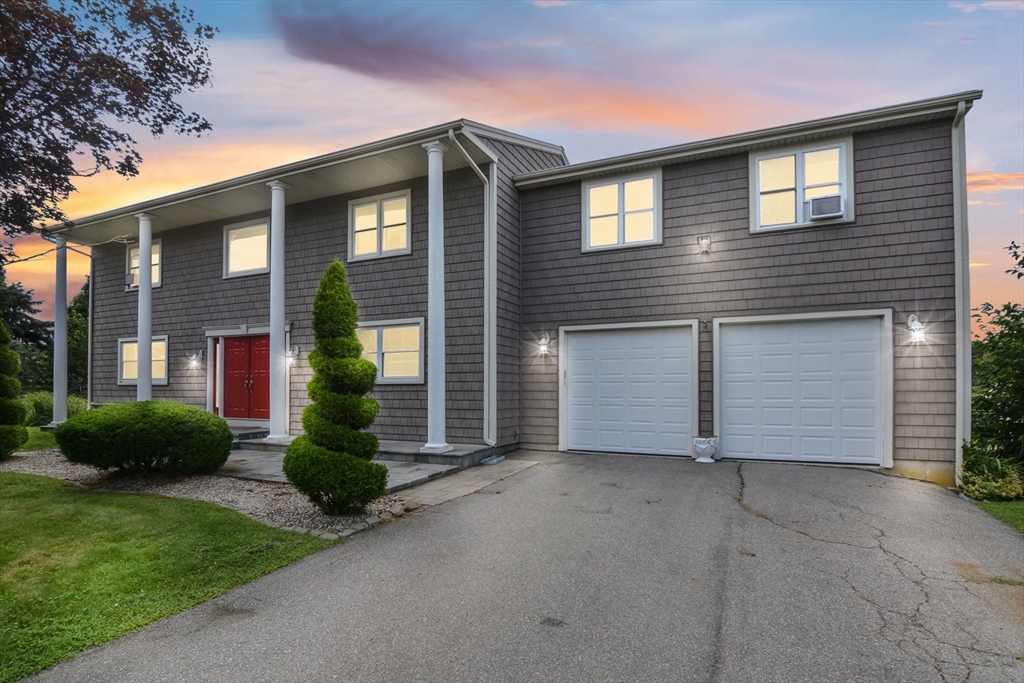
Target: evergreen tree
{"type": "Point", "coordinates": [331, 462]}
{"type": "Point", "coordinates": [78, 343]}
{"type": "Point", "coordinates": [12, 411]}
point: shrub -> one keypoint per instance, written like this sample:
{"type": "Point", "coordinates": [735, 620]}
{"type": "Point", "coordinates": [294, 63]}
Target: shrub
{"type": "Point", "coordinates": [12, 411]}
{"type": "Point", "coordinates": [147, 437]}
{"type": "Point", "coordinates": [331, 463]}
{"type": "Point", "coordinates": [40, 407]}
{"type": "Point", "coordinates": [987, 477]}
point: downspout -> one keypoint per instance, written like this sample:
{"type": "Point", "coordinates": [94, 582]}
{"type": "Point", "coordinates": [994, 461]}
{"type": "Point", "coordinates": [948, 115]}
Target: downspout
{"type": "Point", "coordinates": [962, 287]}
{"type": "Point", "coordinates": [490, 294]}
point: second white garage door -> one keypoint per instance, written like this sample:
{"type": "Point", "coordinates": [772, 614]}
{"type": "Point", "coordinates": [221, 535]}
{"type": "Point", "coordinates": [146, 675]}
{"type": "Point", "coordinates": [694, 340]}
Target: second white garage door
{"type": "Point", "coordinates": [808, 390]}
{"type": "Point", "coordinates": [630, 390]}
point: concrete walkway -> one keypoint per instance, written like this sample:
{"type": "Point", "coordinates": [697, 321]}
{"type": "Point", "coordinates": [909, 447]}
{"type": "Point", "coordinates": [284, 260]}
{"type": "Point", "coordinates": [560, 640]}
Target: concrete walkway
{"type": "Point", "coordinates": [591, 567]}
{"type": "Point", "coordinates": [266, 466]}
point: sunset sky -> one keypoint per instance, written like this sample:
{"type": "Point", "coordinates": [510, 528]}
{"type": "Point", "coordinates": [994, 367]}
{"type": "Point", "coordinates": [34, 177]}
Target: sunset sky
{"type": "Point", "coordinates": [293, 80]}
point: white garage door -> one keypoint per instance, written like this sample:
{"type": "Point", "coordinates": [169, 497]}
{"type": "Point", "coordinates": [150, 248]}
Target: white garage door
{"type": "Point", "coordinates": [808, 390]}
{"type": "Point", "coordinates": [630, 390]}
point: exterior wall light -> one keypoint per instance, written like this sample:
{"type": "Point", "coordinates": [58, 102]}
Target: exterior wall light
{"type": "Point", "coordinates": [293, 354]}
{"type": "Point", "coordinates": [194, 360]}
{"type": "Point", "coordinates": [916, 328]}
{"type": "Point", "coordinates": [542, 345]}
{"type": "Point", "coordinates": [704, 242]}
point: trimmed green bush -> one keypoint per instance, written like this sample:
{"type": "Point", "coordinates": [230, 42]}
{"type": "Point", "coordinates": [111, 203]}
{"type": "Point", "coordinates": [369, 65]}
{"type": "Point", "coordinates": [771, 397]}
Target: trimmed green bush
{"type": "Point", "coordinates": [41, 411]}
{"type": "Point", "coordinates": [331, 463]}
{"type": "Point", "coordinates": [147, 437]}
{"type": "Point", "coordinates": [12, 412]}
{"type": "Point", "coordinates": [987, 477]}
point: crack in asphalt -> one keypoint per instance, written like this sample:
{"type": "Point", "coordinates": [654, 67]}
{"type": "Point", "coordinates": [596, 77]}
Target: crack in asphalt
{"type": "Point", "coordinates": [907, 631]}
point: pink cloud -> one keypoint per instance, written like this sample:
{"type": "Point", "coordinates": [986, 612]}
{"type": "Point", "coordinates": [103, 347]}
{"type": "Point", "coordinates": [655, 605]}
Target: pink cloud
{"type": "Point", "coordinates": [983, 182]}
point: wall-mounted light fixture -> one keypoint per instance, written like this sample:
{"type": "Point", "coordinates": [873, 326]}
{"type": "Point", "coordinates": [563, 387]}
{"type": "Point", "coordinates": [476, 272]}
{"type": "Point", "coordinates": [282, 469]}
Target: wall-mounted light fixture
{"type": "Point", "coordinates": [195, 359]}
{"type": "Point", "coordinates": [293, 354]}
{"type": "Point", "coordinates": [542, 345]}
{"type": "Point", "coordinates": [916, 328]}
{"type": "Point", "coordinates": [704, 243]}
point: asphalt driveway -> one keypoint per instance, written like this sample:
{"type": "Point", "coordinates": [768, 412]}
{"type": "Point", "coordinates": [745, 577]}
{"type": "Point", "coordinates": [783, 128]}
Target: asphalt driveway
{"type": "Point", "coordinates": [600, 568]}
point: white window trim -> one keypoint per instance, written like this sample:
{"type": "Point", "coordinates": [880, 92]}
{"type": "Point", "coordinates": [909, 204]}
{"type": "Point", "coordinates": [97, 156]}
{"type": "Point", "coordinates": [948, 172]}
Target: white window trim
{"type": "Point", "coordinates": [159, 246]}
{"type": "Point", "coordinates": [845, 144]}
{"type": "Point", "coordinates": [563, 369]}
{"type": "Point", "coordinates": [120, 359]}
{"type": "Point", "coordinates": [403, 322]}
{"type": "Point", "coordinates": [224, 248]}
{"type": "Point", "coordinates": [622, 180]}
{"type": "Point", "coordinates": [379, 199]}
{"type": "Point", "coordinates": [884, 315]}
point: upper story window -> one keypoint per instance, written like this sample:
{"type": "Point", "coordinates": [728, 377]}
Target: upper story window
{"type": "Point", "coordinates": [133, 264]}
{"type": "Point", "coordinates": [396, 348]}
{"type": "Point", "coordinates": [379, 226]}
{"type": "Point", "coordinates": [246, 248]}
{"type": "Point", "coordinates": [622, 213]}
{"type": "Point", "coordinates": [128, 360]}
{"type": "Point", "coordinates": [784, 183]}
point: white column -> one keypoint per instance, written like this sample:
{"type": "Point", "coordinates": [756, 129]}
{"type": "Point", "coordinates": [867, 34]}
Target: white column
{"type": "Point", "coordinates": [436, 442]}
{"type": "Point", "coordinates": [60, 335]}
{"type": "Point", "coordinates": [145, 333]}
{"type": "Point", "coordinates": [278, 349]}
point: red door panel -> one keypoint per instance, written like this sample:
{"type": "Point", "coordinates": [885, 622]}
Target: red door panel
{"type": "Point", "coordinates": [236, 377]}
{"type": "Point", "coordinates": [259, 372]}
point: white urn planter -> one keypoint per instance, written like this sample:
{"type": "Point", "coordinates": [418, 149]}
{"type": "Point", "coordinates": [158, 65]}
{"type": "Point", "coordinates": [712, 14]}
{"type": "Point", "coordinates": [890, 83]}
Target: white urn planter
{"type": "Point", "coordinates": [705, 448]}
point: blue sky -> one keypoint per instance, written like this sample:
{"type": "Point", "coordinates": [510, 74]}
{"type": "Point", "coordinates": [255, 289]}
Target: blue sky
{"type": "Point", "coordinates": [296, 79]}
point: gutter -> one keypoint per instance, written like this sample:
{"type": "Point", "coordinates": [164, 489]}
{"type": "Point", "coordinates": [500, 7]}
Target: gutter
{"type": "Point", "coordinates": [490, 374]}
{"type": "Point", "coordinates": [961, 250]}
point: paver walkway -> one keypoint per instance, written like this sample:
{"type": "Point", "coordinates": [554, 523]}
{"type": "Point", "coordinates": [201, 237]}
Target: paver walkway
{"type": "Point", "coordinates": [266, 466]}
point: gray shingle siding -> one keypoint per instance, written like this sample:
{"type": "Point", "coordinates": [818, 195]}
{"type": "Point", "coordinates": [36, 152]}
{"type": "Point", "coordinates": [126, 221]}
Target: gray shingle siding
{"type": "Point", "coordinates": [194, 295]}
{"type": "Point", "coordinates": [514, 160]}
{"type": "Point", "coordinates": [897, 254]}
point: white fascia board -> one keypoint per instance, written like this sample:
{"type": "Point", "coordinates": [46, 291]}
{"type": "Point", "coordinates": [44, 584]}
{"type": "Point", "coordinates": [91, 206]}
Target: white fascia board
{"type": "Point", "coordinates": [835, 125]}
{"type": "Point", "coordinates": [514, 138]}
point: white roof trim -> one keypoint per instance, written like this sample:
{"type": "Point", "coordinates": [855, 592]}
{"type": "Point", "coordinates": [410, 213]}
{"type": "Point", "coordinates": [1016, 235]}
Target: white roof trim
{"type": "Point", "coordinates": [845, 123]}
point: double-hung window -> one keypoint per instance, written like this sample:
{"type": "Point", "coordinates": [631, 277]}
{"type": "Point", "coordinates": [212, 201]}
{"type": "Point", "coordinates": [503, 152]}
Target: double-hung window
{"type": "Point", "coordinates": [379, 226]}
{"type": "Point", "coordinates": [396, 348]}
{"type": "Point", "coordinates": [623, 212]}
{"type": "Point", "coordinates": [133, 264]}
{"type": "Point", "coordinates": [128, 360]}
{"type": "Point", "coordinates": [785, 181]}
{"type": "Point", "coordinates": [246, 248]}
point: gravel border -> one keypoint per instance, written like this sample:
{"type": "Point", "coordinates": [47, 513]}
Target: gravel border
{"type": "Point", "coordinates": [275, 504]}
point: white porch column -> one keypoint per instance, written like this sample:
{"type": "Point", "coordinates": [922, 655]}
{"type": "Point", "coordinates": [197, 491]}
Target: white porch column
{"type": "Point", "coordinates": [145, 333]}
{"type": "Point", "coordinates": [436, 442]}
{"type": "Point", "coordinates": [60, 335]}
{"type": "Point", "coordinates": [278, 350]}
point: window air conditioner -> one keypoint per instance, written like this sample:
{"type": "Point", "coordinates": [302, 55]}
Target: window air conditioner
{"type": "Point", "coordinates": [829, 206]}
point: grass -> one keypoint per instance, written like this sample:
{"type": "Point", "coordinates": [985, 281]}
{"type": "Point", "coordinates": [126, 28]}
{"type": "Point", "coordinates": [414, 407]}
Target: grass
{"type": "Point", "coordinates": [1011, 512]}
{"type": "Point", "coordinates": [78, 569]}
{"type": "Point", "coordinates": [38, 440]}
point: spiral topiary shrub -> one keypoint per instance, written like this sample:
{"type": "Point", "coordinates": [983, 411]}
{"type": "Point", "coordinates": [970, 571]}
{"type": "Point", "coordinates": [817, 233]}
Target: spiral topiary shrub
{"type": "Point", "coordinates": [12, 410]}
{"type": "Point", "coordinates": [331, 462]}
{"type": "Point", "coordinates": [146, 437]}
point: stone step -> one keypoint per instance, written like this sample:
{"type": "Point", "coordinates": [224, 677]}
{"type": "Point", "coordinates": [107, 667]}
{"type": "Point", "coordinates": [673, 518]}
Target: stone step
{"type": "Point", "coordinates": [461, 456]}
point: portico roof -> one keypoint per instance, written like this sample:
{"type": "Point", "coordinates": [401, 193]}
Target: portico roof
{"type": "Point", "coordinates": [358, 168]}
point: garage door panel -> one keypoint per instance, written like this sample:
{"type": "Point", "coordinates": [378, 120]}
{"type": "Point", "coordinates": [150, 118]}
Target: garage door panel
{"type": "Point", "coordinates": [642, 382]}
{"type": "Point", "coordinates": [807, 390]}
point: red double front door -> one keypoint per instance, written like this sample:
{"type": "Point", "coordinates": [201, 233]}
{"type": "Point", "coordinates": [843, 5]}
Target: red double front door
{"type": "Point", "coordinates": [247, 377]}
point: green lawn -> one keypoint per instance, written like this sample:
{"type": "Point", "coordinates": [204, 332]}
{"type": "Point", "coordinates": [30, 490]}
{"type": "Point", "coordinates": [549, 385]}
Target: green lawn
{"type": "Point", "coordinates": [1011, 512]}
{"type": "Point", "coordinates": [38, 440]}
{"type": "Point", "coordinates": [78, 569]}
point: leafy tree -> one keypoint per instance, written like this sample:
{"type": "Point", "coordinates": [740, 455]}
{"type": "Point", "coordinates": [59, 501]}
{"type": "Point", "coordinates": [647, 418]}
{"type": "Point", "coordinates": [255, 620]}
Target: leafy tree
{"type": "Point", "coordinates": [32, 338]}
{"type": "Point", "coordinates": [331, 463]}
{"type": "Point", "coordinates": [72, 69]}
{"type": "Point", "coordinates": [998, 375]}
{"type": "Point", "coordinates": [78, 343]}
{"type": "Point", "coordinates": [12, 411]}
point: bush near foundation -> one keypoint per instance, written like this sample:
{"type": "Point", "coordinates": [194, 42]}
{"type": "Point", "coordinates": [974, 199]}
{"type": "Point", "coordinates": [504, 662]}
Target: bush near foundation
{"type": "Point", "coordinates": [987, 477]}
{"type": "Point", "coordinates": [12, 411]}
{"type": "Point", "coordinates": [40, 407]}
{"type": "Point", "coordinates": [147, 437]}
{"type": "Point", "coordinates": [330, 464]}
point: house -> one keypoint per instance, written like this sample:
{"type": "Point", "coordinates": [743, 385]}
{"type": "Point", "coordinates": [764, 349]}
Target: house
{"type": "Point", "coordinates": [801, 292]}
